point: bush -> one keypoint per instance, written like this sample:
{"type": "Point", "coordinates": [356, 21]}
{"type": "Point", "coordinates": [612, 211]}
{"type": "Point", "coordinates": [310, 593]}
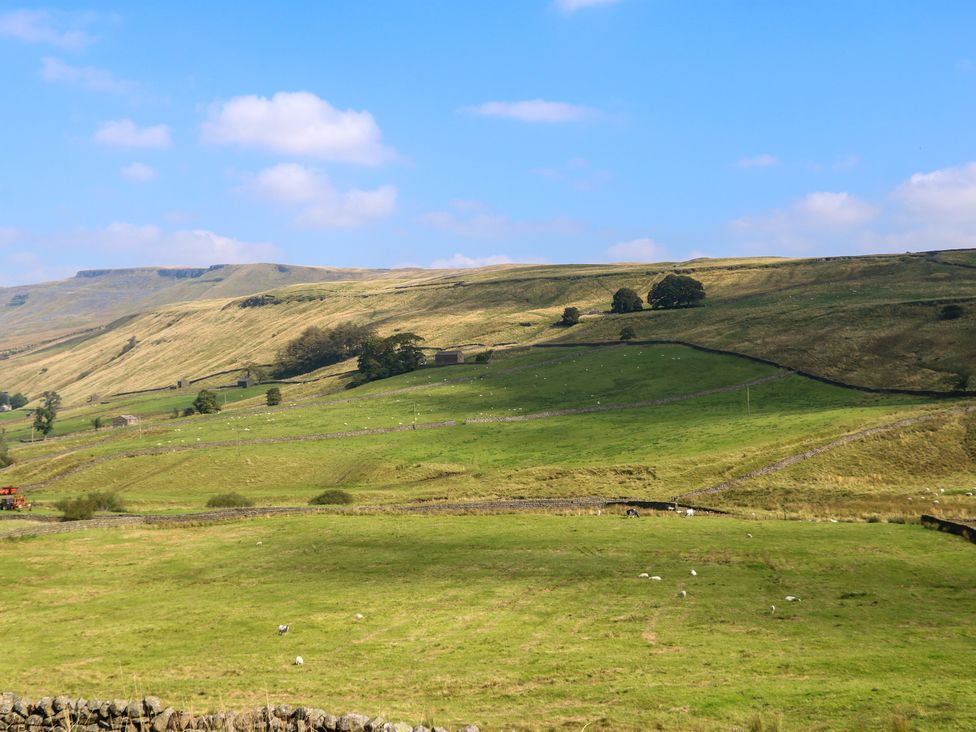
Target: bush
{"type": "Point", "coordinates": [676, 291]}
{"type": "Point", "coordinates": [18, 400]}
{"type": "Point", "coordinates": [5, 457]}
{"type": "Point", "coordinates": [626, 300]}
{"type": "Point", "coordinates": [627, 333]}
{"type": "Point", "coordinates": [229, 500]}
{"type": "Point", "coordinates": [484, 356]}
{"type": "Point", "coordinates": [951, 312]}
{"type": "Point", "coordinates": [273, 396]}
{"type": "Point", "coordinates": [189, 412]}
{"type": "Point", "coordinates": [571, 316]}
{"type": "Point", "coordinates": [76, 509]}
{"type": "Point", "coordinates": [332, 497]}
{"type": "Point", "coordinates": [97, 423]}
{"type": "Point", "coordinates": [206, 402]}
{"type": "Point", "coordinates": [107, 501]}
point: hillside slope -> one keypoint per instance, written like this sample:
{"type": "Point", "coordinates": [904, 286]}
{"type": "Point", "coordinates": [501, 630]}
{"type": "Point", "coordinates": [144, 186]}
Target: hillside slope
{"type": "Point", "coordinates": [872, 320]}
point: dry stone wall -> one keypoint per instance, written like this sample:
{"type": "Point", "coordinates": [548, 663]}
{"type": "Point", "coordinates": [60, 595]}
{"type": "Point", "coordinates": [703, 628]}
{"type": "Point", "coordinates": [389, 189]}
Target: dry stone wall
{"type": "Point", "coordinates": [66, 714]}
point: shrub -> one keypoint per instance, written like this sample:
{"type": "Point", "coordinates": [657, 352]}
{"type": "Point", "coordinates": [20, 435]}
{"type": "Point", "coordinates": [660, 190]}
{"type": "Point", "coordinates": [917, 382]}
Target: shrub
{"type": "Point", "coordinates": [107, 501]}
{"type": "Point", "coordinates": [189, 412]}
{"type": "Point", "coordinates": [626, 300]}
{"type": "Point", "coordinates": [484, 356]}
{"type": "Point", "coordinates": [129, 345]}
{"type": "Point", "coordinates": [627, 333]}
{"type": "Point", "coordinates": [97, 423]}
{"type": "Point", "coordinates": [5, 457]}
{"type": "Point", "coordinates": [273, 396]}
{"type": "Point", "coordinates": [332, 497]}
{"type": "Point", "coordinates": [229, 500]}
{"type": "Point", "coordinates": [81, 508]}
{"type": "Point", "coordinates": [951, 312]}
{"type": "Point", "coordinates": [206, 402]}
{"type": "Point", "coordinates": [676, 291]}
{"type": "Point", "coordinates": [571, 316]}
{"type": "Point", "coordinates": [18, 400]}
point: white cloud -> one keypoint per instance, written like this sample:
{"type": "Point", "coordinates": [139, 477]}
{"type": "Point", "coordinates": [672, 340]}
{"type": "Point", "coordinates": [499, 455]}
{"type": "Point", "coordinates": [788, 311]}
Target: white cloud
{"type": "Point", "coordinates": [138, 173]}
{"type": "Point", "coordinates": [475, 220]}
{"type": "Point", "coordinates": [834, 210]}
{"type": "Point", "coordinates": [532, 110]}
{"type": "Point", "coordinates": [86, 77]}
{"type": "Point", "coordinates": [571, 6]}
{"type": "Point", "coordinates": [316, 201]}
{"type": "Point", "coordinates": [637, 250]}
{"type": "Point", "coordinates": [40, 26]}
{"type": "Point", "coordinates": [297, 123]}
{"type": "Point", "coordinates": [462, 261]}
{"type": "Point", "coordinates": [759, 161]}
{"type": "Point", "coordinates": [947, 195]}
{"type": "Point", "coordinates": [577, 174]}
{"type": "Point", "coordinates": [125, 133]}
{"type": "Point", "coordinates": [151, 245]}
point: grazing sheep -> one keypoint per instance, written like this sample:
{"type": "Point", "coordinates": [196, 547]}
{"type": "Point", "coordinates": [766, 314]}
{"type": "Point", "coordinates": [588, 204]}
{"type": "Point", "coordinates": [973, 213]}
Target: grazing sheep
{"type": "Point", "coordinates": [690, 512]}
{"type": "Point", "coordinates": [643, 575]}
{"type": "Point", "coordinates": [632, 513]}
{"type": "Point", "coordinates": [748, 536]}
{"type": "Point", "coordinates": [282, 629]}
{"type": "Point", "coordinates": [359, 616]}
{"type": "Point", "coordinates": [683, 593]}
{"type": "Point", "coordinates": [792, 598]}
{"type": "Point", "coordinates": [655, 577]}
{"type": "Point", "coordinates": [772, 609]}
{"type": "Point", "coordinates": [299, 660]}
{"type": "Point", "coordinates": [694, 573]}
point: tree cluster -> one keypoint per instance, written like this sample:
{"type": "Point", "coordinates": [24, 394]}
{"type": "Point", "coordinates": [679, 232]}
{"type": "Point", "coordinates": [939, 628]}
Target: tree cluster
{"type": "Point", "coordinates": [571, 316]}
{"type": "Point", "coordinates": [16, 401]}
{"type": "Point", "coordinates": [317, 347]}
{"type": "Point", "coordinates": [384, 357]}
{"type": "Point", "coordinates": [674, 291]}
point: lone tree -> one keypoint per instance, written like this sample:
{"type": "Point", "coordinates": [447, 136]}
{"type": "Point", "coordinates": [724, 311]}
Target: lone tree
{"type": "Point", "coordinates": [571, 316]}
{"type": "Point", "coordinates": [676, 291]}
{"type": "Point", "coordinates": [627, 333]}
{"type": "Point", "coordinates": [18, 400]}
{"type": "Point", "coordinates": [626, 300]}
{"type": "Point", "coordinates": [206, 402]}
{"type": "Point", "coordinates": [45, 414]}
{"type": "Point", "coordinates": [273, 396]}
{"type": "Point", "coordinates": [97, 423]}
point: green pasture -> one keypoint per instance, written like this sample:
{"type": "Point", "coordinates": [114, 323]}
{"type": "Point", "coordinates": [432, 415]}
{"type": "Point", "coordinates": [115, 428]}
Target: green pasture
{"type": "Point", "coordinates": [527, 622]}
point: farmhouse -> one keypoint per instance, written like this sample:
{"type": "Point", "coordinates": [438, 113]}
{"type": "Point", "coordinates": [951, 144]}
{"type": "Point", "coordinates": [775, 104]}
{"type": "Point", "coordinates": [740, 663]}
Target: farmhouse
{"type": "Point", "coordinates": [5, 408]}
{"type": "Point", "coordinates": [246, 381]}
{"type": "Point", "coordinates": [448, 358]}
{"type": "Point", "coordinates": [125, 420]}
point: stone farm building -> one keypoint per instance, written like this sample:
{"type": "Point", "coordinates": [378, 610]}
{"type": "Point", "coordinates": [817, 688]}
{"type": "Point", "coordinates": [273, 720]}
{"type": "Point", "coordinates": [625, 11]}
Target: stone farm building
{"type": "Point", "coordinates": [448, 358]}
{"type": "Point", "coordinates": [125, 420]}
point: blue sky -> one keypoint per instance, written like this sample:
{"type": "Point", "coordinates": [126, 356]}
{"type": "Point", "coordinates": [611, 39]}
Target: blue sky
{"type": "Point", "coordinates": [450, 133]}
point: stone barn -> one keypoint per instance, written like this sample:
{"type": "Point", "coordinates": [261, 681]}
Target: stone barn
{"type": "Point", "coordinates": [448, 358]}
{"type": "Point", "coordinates": [125, 420]}
{"type": "Point", "coordinates": [246, 381]}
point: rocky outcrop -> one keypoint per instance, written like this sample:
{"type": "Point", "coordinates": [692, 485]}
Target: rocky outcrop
{"type": "Point", "coordinates": [66, 714]}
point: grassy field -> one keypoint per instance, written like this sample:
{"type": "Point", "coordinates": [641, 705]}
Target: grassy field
{"type": "Point", "coordinates": [532, 622]}
{"type": "Point", "coordinates": [872, 320]}
{"type": "Point", "coordinates": [646, 450]}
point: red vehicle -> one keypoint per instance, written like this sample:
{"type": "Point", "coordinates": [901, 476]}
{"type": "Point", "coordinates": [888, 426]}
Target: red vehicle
{"type": "Point", "coordinates": [10, 501]}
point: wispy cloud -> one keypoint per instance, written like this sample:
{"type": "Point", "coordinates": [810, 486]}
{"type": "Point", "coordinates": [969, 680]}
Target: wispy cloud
{"type": "Point", "coordinates": [54, 70]}
{"type": "Point", "coordinates": [571, 6]}
{"type": "Point", "coordinates": [125, 133]}
{"type": "Point", "coordinates": [138, 173]}
{"type": "Point", "coordinates": [298, 124]}
{"type": "Point", "coordinates": [637, 250]}
{"type": "Point", "coordinates": [532, 110]}
{"type": "Point", "coordinates": [765, 160]}
{"type": "Point", "coordinates": [477, 221]}
{"type": "Point", "coordinates": [44, 27]}
{"type": "Point", "coordinates": [150, 244]}
{"type": "Point", "coordinates": [315, 201]}
{"type": "Point", "coordinates": [463, 261]}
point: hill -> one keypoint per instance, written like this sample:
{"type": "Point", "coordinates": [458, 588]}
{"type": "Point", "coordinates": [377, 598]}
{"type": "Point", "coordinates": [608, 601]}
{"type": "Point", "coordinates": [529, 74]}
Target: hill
{"type": "Point", "coordinates": [872, 320]}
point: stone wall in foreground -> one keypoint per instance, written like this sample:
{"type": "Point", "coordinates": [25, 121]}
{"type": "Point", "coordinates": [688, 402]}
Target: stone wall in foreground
{"type": "Point", "coordinates": [66, 714]}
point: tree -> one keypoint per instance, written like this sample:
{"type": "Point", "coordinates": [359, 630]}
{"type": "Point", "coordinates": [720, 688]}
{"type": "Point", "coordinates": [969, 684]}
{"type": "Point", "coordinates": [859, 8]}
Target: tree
{"type": "Point", "coordinates": [317, 347]}
{"type": "Point", "coordinates": [254, 371]}
{"type": "Point", "coordinates": [206, 402]}
{"type": "Point", "coordinates": [45, 414]}
{"type": "Point", "coordinates": [4, 398]}
{"type": "Point", "coordinates": [676, 291]}
{"type": "Point", "coordinates": [626, 300]}
{"type": "Point", "coordinates": [5, 458]}
{"type": "Point", "coordinates": [627, 333]}
{"type": "Point", "coordinates": [18, 400]}
{"type": "Point", "coordinates": [951, 312]}
{"type": "Point", "coordinates": [273, 396]}
{"type": "Point", "coordinates": [97, 423]}
{"type": "Point", "coordinates": [384, 357]}
{"type": "Point", "coordinates": [571, 316]}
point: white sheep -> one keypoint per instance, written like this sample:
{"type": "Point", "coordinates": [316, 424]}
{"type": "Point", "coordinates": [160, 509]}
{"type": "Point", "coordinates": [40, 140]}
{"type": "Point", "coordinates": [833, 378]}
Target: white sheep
{"type": "Point", "coordinates": [792, 598]}
{"type": "Point", "coordinates": [282, 629]}
{"type": "Point", "coordinates": [683, 593]}
{"type": "Point", "coordinates": [299, 660]}
{"type": "Point", "coordinates": [772, 609]}
{"type": "Point", "coordinates": [643, 575]}
{"type": "Point", "coordinates": [359, 616]}
{"type": "Point", "coordinates": [656, 578]}
{"type": "Point", "coordinates": [690, 512]}
{"type": "Point", "coordinates": [694, 573]}
{"type": "Point", "coordinates": [748, 535]}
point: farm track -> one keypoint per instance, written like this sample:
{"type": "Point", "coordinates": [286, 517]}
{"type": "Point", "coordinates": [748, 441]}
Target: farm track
{"type": "Point", "coordinates": [813, 452]}
{"type": "Point", "coordinates": [549, 414]}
